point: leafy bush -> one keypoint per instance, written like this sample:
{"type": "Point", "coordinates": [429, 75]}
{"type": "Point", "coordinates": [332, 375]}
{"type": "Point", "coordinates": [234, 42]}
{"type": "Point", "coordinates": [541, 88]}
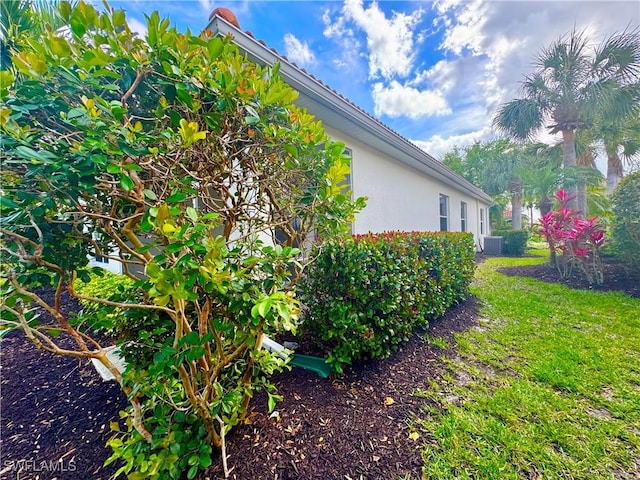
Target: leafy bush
{"type": "Point", "coordinates": [626, 221]}
{"type": "Point", "coordinates": [578, 241]}
{"type": "Point", "coordinates": [365, 294]}
{"type": "Point", "coordinates": [140, 333]}
{"type": "Point", "coordinates": [104, 284]}
{"type": "Point", "coordinates": [514, 242]}
{"type": "Point", "coordinates": [109, 142]}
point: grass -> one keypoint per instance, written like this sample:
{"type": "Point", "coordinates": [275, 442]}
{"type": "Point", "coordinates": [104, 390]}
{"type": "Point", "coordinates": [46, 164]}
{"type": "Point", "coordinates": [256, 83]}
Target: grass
{"type": "Point", "coordinates": [548, 387]}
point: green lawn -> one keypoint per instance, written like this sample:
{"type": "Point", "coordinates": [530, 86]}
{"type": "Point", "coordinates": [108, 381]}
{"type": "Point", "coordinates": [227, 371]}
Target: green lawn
{"type": "Point", "coordinates": [547, 387]}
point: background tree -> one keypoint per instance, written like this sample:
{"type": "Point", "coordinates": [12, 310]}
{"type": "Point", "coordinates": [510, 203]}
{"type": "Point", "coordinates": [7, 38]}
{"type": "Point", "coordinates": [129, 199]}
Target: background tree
{"type": "Point", "coordinates": [571, 81]}
{"type": "Point", "coordinates": [621, 139]}
{"type": "Point", "coordinates": [542, 177]}
{"type": "Point", "coordinates": [496, 168]}
{"type": "Point", "coordinates": [181, 159]}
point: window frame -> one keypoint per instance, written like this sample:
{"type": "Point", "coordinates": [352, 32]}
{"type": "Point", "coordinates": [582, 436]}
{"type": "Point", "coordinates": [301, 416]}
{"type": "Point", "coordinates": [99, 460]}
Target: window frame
{"type": "Point", "coordinates": [444, 217]}
{"type": "Point", "coordinates": [463, 216]}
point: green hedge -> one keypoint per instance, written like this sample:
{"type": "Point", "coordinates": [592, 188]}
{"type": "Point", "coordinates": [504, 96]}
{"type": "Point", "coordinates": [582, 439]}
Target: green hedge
{"type": "Point", "coordinates": [626, 219]}
{"type": "Point", "coordinates": [365, 294]}
{"type": "Point", "coordinates": [514, 242]}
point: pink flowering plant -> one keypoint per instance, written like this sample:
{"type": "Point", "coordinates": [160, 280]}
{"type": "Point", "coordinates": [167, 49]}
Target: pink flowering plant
{"type": "Point", "coordinates": [574, 241]}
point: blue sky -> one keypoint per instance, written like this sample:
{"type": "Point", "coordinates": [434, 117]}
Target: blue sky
{"type": "Point", "coordinates": [433, 71]}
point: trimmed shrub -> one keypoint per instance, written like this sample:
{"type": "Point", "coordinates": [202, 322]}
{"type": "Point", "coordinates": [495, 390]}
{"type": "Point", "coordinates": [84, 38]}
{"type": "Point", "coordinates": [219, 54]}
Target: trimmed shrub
{"type": "Point", "coordinates": [514, 242]}
{"type": "Point", "coordinates": [365, 294]}
{"type": "Point", "coordinates": [626, 218]}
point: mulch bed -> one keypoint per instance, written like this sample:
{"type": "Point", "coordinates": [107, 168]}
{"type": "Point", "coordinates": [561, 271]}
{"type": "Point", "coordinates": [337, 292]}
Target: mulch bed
{"type": "Point", "coordinates": [617, 276]}
{"type": "Point", "coordinates": [57, 409]}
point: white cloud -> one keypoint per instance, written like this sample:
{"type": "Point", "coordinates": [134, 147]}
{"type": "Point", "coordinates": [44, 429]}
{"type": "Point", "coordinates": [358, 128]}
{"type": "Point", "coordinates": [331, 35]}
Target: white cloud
{"type": "Point", "coordinates": [297, 51]}
{"type": "Point", "coordinates": [348, 44]}
{"type": "Point", "coordinates": [437, 146]}
{"type": "Point", "coordinates": [466, 31]}
{"type": "Point", "coordinates": [489, 47]}
{"type": "Point", "coordinates": [335, 29]}
{"type": "Point", "coordinates": [396, 100]}
{"type": "Point", "coordinates": [206, 6]}
{"type": "Point", "coordinates": [390, 42]}
{"type": "Point", "coordinates": [138, 27]}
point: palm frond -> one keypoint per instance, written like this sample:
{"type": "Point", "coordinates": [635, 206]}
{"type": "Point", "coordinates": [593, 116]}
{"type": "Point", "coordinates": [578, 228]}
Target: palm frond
{"type": "Point", "coordinates": [619, 56]}
{"type": "Point", "coordinates": [520, 118]}
{"type": "Point", "coordinates": [565, 63]}
{"type": "Point", "coordinates": [14, 17]}
{"type": "Point", "coordinates": [580, 175]}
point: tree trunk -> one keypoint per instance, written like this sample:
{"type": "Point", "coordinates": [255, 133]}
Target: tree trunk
{"type": "Point", "coordinates": [569, 160]}
{"type": "Point", "coordinates": [614, 171]}
{"type": "Point", "coordinates": [545, 205]}
{"type": "Point", "coordinates": [516, 205]}
{"type": "Point", "coordinates": [582, 200]}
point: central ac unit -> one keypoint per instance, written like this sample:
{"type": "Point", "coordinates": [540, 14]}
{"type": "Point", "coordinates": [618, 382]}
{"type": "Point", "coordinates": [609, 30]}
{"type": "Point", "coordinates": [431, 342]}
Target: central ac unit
{"type": "Point", "coordinates": [493, 245]}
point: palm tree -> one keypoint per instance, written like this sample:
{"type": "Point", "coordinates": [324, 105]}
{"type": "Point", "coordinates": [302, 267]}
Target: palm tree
{"type": "Point", "coordinates": [503, 174]}
{"type": "Point", "coordinates": [571, 81]}
{"type": "Point", "coordinates": [541, 176]}
{"type": "Point", "coordinates": [621, 140]}
{"type": "Point", "coordinates": [20, 16]}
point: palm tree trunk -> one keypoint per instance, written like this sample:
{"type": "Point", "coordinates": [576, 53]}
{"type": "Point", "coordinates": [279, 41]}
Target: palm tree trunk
{"type": "Point", "coordinates": [516, 205]}
{"type": "Point", "coordinates": [569, 160]}
{"type": "Point", "coordinates": [545, 205]}
{"type": "Point", "coordinates": [614, 171]}
{"type": "Point", "coordinates": [582, 200]}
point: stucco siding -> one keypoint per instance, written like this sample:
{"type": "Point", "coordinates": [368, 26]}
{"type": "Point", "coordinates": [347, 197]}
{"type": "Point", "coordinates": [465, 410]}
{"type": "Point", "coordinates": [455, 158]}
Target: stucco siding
{"type": "Point", "coordinates": [400, 197]}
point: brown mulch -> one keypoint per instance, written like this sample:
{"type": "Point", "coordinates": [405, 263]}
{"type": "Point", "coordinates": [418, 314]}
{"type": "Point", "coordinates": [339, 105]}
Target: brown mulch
{"type": "Point", "coordinates": [57, 409]}
{"type": "Point", "coordinates": [618, 276]}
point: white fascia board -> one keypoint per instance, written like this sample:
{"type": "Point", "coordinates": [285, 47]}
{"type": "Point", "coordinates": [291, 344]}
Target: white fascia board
{"type": "Point", "coordinates": [380, 136]}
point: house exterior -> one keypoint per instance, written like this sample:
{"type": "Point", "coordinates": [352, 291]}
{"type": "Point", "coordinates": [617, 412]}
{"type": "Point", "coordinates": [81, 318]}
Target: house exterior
{"type": "Point", "coordinates": [407, 189]}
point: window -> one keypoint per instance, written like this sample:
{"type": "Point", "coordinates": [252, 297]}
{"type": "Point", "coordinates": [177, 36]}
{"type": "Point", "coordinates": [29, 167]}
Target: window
{"type": "Point", "coordinates": [444, 213]}
{"type": "Point", "coordinates": [482, 221]}
{"type": "Point", "coordinates": [101, 259]}
{"type": "Point", "coordinates": [463, 216]}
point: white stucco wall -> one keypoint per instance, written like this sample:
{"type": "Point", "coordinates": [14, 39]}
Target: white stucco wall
{"type": "Point", "coordinates": [402, 198]}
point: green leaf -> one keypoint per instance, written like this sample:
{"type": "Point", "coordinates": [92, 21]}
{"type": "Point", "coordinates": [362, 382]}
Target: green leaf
{"type": "Point", "coordinates": [119, 18]}
{"type": "Point", "coordinates": [192, 213]}
{"type": "Point", "coordinates": [65, 10]}
{"type": "Point", "coordinates": [193, 471]}
{"type": "Point", "coordinates": [111, 168]}
{"type": "Point", "coordinates": [126, 183]}
{"type": "Point", "coordinates": [214, 48]}
{"type": "Point", "coordinates": [264, 307]}
{"type": "Point", "coordinates": [272, 403]}
{"type": "Point", "coordinates": [7, 202]}
{"type": "Point", "coordinates": [31, 154]}
{"type": "Point", "coordinates": [205, 460]}
{"type": "Point", "coordinates": [177, 197]}
{"type": "Point", "coordinates": [60, 47]}
{"type": "Point", "coordinates": [75, 113]}
{"type": "Point", "coordinates": [149, 194]}
{"type": "Point", "coordinates": [77, 23]}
